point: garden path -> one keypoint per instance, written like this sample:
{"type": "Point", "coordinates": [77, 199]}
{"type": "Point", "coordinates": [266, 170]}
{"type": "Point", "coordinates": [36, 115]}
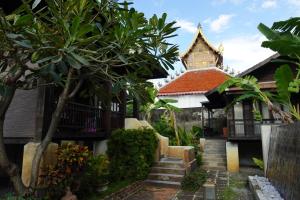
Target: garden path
{"type": "Point", "coordinates": [154, 192]}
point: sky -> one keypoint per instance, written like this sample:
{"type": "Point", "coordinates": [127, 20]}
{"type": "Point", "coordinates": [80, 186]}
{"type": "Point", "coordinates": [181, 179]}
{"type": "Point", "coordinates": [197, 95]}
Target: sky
{"type": "Point", "coordinates": [230, 22]}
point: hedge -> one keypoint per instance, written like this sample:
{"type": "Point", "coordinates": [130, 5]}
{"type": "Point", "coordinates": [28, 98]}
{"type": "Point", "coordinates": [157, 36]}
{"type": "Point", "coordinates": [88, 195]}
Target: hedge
{"type": "Point", "coordinates": [131, 153]}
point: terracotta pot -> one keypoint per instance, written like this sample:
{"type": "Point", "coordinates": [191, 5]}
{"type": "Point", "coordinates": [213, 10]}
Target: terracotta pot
{"type": "Point", "coordinates": [225, 132]}
{"type": "Point", "coordinates": [103, 187]}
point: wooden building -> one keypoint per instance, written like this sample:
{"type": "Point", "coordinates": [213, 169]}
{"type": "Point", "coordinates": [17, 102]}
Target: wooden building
{"type": "Point", "coordinates": [242, 126]}
{"type": "Point", "coordinates": [86, 119]}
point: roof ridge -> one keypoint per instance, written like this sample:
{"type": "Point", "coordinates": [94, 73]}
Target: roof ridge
{"type": "Point", "coordinates": [209, 68]}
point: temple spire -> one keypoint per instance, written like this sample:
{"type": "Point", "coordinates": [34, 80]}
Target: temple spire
{"type": "Point", "coordinates": [199, 26]}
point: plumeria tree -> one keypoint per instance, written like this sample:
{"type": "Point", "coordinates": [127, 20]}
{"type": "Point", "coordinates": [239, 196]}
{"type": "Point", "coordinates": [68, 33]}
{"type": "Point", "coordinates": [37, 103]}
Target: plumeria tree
{"type": "Point", "coordinates": [65, 43]}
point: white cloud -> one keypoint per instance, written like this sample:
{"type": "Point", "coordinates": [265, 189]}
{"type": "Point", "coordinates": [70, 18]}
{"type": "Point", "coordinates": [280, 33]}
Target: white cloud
{"type": "Point", "coordinates": [294, 2]}
{"type": "Point", "coordinates": [243, 52]}
{"type": "Point", "coordinates": [158, 3]}
{"type": "Point", "coordinates": [221, 23]}
{"type": "Point", "coordinates": [269, 4]}
{"type": "Point", "coordinates": [217, 2]}
{"type": "Point", "coordinates": [186, 25]}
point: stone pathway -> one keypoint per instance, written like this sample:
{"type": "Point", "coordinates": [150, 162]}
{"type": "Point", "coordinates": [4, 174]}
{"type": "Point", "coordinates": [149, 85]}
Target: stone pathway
{"type": "Point", "coordinates": [221, 178]}
{"type": "Point", "coordinates": [236, 181]}
{"type": "Point", "coordinates": [153, 192]}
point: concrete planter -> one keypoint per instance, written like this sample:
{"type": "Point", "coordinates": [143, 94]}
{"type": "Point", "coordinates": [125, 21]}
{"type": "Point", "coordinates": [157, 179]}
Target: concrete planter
{"type": "Point", "coordinates": [265, 140]}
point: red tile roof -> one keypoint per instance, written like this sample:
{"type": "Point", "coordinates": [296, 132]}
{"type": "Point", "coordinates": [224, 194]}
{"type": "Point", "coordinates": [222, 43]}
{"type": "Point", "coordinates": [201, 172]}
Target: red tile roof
{"type": "Point", "coordinates": [195, 82]}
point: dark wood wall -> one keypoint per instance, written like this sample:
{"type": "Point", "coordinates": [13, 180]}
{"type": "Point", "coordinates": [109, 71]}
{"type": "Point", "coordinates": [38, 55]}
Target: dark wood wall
{"type": "Point", "coordinates": [20, 119]}
{"type": "Point", "coordinates": [266, 73]}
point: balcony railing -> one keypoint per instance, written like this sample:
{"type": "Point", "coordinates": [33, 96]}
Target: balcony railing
{"type": "Point", "coordinates": [81, 117]}
{"type": "Point", "coordinates": [80, 121]}
{"type": "Point", "coordinates": [247, 128]}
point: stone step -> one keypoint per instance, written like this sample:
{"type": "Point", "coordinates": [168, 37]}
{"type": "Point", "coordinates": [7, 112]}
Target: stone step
{"type": "Point", "coordinates": [218, 160]}
{"type": "Point", "coordinates": [167, 170]}
{"type": "Point", "coordinates": [215, 142]}
{"type": "Point", "coordinates": [170, 164]}
{"type": "Point", "coordinates": [221, 147]}
{"type": "Point", "coordinates": [163, 183]}
{"type": "Point", "coordinates": [214, 167]}
{"type": "Point", "coordinates": [214, 163]}
{"type": "Point", "coordinates": [165, 177]}
{"type": "Point", "coordinates": [214, 151]}
{"type": "Point", "coordinates": [214, 155]}
{"type": "Point", "coordinates": [214, 159]}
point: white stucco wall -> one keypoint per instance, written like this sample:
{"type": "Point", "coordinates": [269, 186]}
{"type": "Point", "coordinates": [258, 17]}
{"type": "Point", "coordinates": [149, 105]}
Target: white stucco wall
{"type": "Point", "coordinates": [187, 101]}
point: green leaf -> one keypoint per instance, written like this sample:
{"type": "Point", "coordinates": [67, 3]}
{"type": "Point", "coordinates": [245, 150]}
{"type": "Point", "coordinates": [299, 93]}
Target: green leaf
{"type": "Point", "coordinates": [73, 63]}
{"type": "Point", "coordinates": [45, 59]}
{"type": "Point", "coordinates": [75, 26]}
{"type": "Point", "coordinates": [23, 20]}
{"type": "Point", "coordinates": [24, 43]}
{"type": "Point", "coordinates": [283, 76]}
{"type": "Point", "coordinates": [122, 58]}
{"type": "Point", "coordinates": [36, 3]}
{"type": "Point", "coordinates": [81, 59]}
{"type": "Point", "coordinates": [14, 36]}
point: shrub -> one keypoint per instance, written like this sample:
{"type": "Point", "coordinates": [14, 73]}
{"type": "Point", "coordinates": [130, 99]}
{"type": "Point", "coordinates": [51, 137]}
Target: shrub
{"type": "Point", "coordinates": [194, 180]}
{"type": "Point", "coordinates": [71, 163]}
{"type": "Point", "coordinates": [95, 175]}
{"type": "Point", "coordinates": [198, 157]}
{"type": "Point", "coordinates": [131, 153]}
{"type": "Point", "coordinates": [163, 127]}
{"type": "Point", "coordinates": [197, 132]}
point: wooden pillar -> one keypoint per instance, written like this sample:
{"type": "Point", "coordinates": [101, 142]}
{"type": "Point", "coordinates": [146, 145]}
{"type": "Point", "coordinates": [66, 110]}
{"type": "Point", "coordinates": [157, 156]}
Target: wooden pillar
{"type": "Point", "coordinates": [202, 117]}
{"type": "Point", "coordinates": [39, 114]}
{"type": "Point", "coordinates": [123, 104]}
{"type": "Point", "coordinates": [209, 120]}
{"type": "Point", "coordinates": [106, 105]}
{"type": "Point", "coordinates": [136, 106]}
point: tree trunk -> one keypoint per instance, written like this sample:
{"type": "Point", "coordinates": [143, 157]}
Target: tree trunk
{"type": "Point", "coordinates": [9, 168]}
{"type": "Point", "coordinates": [51, 130]}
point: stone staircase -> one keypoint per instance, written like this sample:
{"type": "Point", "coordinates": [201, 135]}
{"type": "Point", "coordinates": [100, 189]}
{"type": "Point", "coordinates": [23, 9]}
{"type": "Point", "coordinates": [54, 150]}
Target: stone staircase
{"type": "Point", "coordinates": [214, 156]}
{"type": "Point", "coordinates": [168, 171]}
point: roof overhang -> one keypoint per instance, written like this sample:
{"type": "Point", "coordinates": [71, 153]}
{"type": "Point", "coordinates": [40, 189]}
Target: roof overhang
{"type": "Point", "coordinates": [258, 65]}
{"type": "Point", "coordinates": [181, 93]}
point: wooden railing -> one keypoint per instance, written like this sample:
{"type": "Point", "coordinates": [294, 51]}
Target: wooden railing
{"type": "Point", "coordinates": [84, 121]}
{"type": "Point", "coordinates": [247, 128]}
{"type": "Point", "coordinates": [81, 117]}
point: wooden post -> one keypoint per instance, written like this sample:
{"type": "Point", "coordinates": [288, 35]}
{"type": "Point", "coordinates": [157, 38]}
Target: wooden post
{"type": "Point", "coordinates": [106, 117]}
{"type": "Point", "coordinates": [39, 113]}
{"type": "Point", "coordinates": [202, 117]}
{"type": "Point", "coordinates": [123, 103]}
{"type": "Point", "coordinates": [136, 106]}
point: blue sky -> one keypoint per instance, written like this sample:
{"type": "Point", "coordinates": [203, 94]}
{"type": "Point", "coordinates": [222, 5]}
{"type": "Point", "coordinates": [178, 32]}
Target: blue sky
{"type": "Point", "coordinates": [230, 22]}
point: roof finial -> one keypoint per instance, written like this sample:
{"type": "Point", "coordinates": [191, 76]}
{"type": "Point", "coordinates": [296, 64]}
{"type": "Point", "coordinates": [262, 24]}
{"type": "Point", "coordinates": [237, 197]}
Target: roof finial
{"type": "Point", "coordinates": [221, 48]}
{"type": "Point", "coordinates": [199, 26]}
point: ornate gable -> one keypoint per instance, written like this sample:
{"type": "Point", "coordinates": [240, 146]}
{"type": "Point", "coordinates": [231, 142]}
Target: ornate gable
{"type": "Point", "coordinates": [201, 54]}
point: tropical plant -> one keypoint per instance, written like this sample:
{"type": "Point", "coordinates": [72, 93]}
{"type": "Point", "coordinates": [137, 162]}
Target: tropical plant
{"type": "Point", "coordinates": [72, 161]}
{"type": "Point", "coordinates": [283, 37]}
{"type": "Point", "coordinates": [155, 103]}
{"type": "Point", "coordinates": [95, 175]}
{"type": "Point", "coordinates": [66, 43]}
{"type": "Point", "coordinates": [258, 162]}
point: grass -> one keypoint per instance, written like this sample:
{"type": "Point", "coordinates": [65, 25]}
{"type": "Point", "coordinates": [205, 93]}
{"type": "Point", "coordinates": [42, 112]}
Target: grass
{"type": "Point", "coordinates": [231, 192]}
{"type": "Point", "coordinates": [113, 187]}
{"type": "Point", "coordinates": [194, 180]}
